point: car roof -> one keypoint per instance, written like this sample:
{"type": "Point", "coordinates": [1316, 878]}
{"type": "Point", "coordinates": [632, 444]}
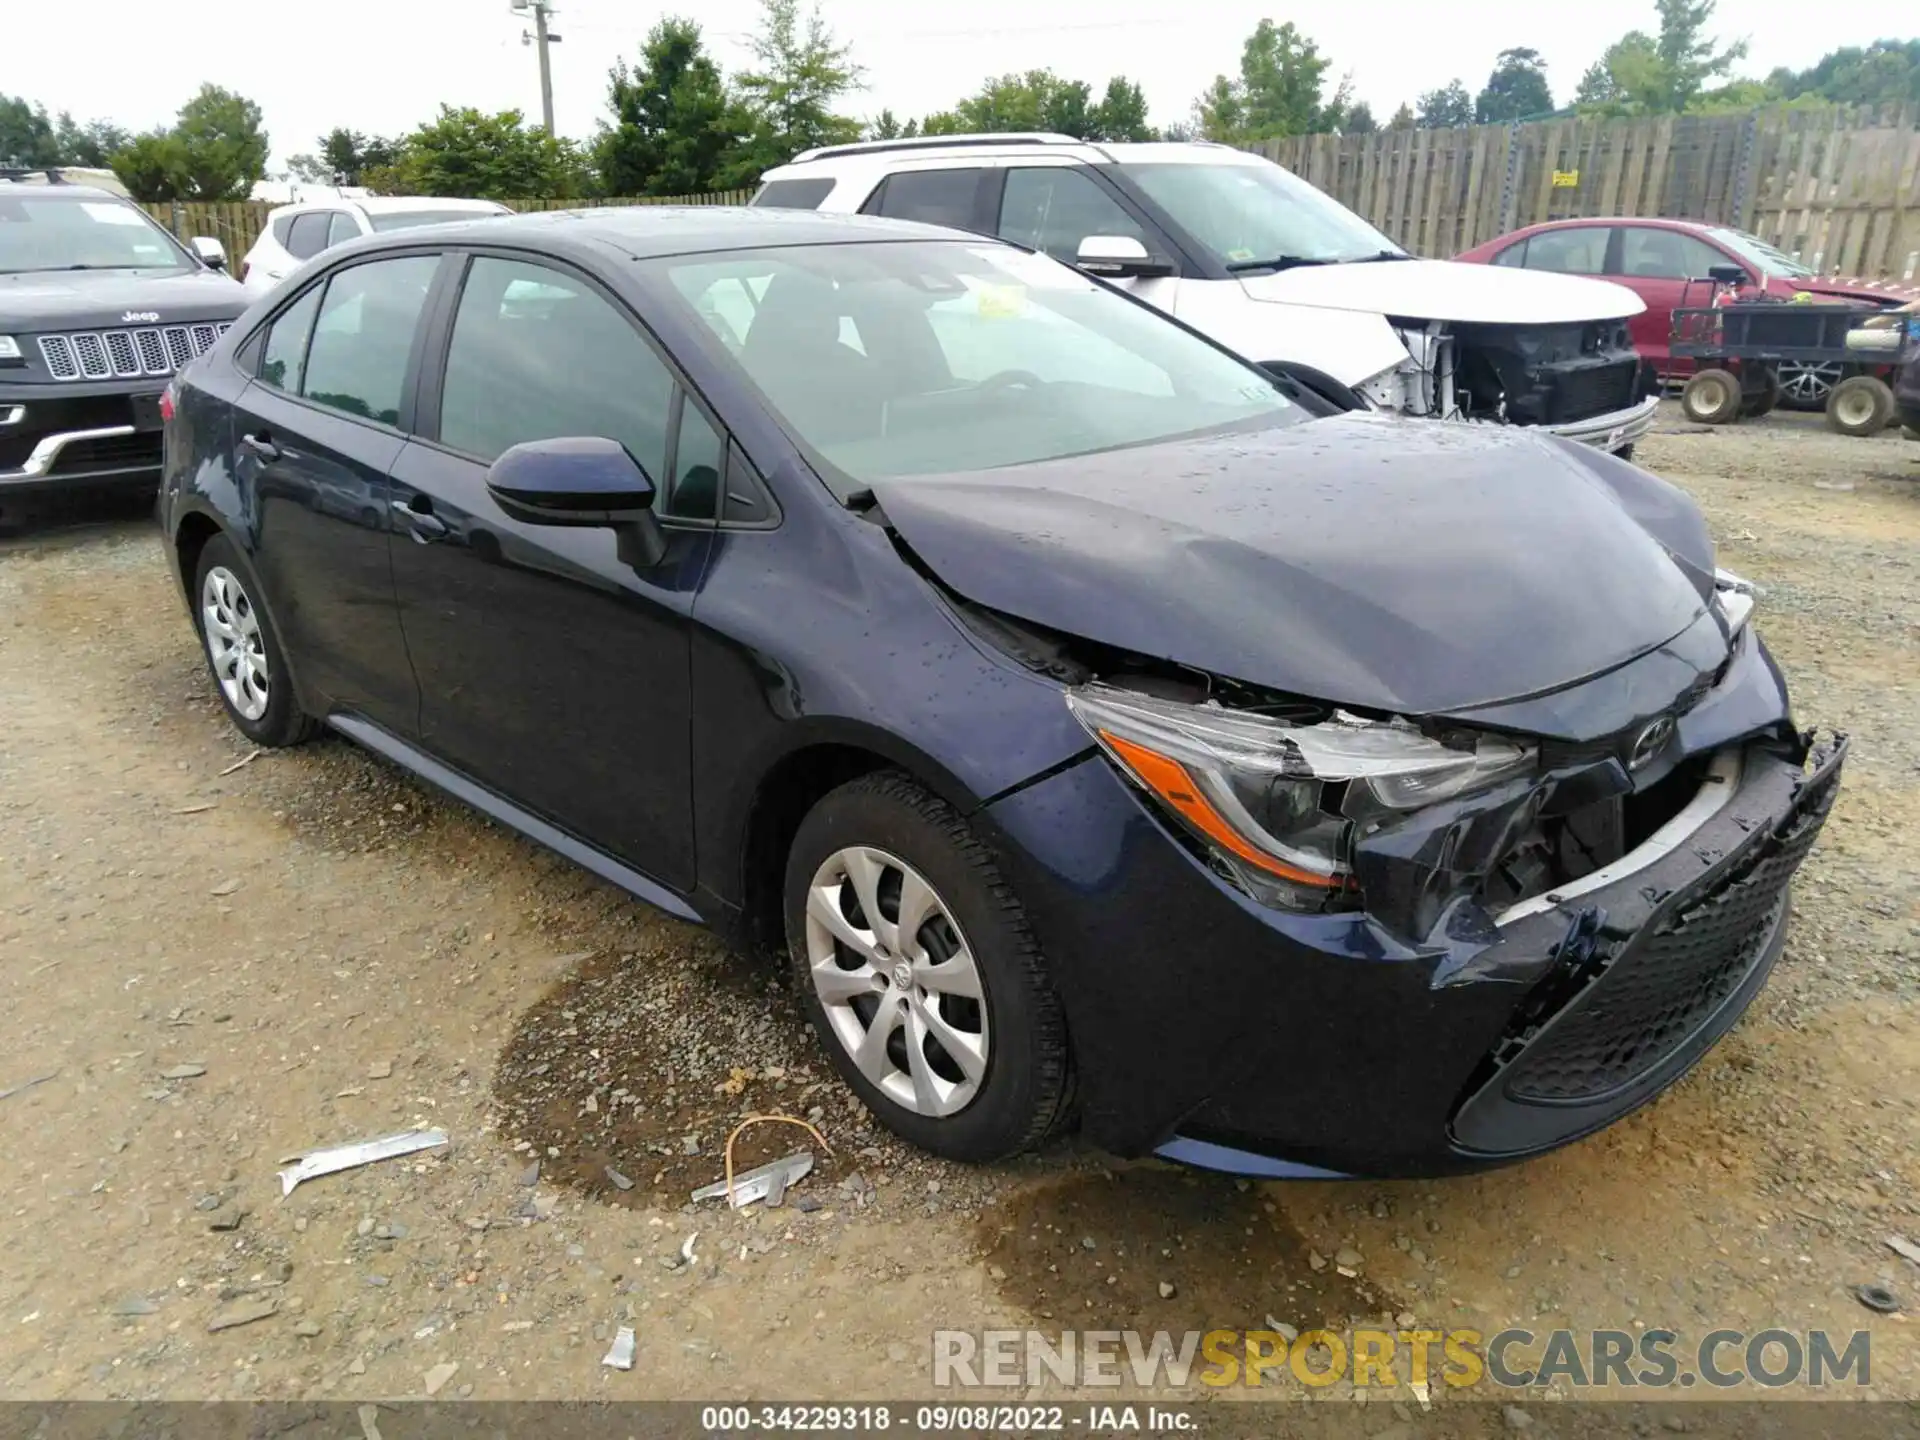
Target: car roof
{"type": "Point", "coordinates": [387, 204]}
{"type": "Point", "coordinates": [61, 190]}
{"type": "Point", "coordinates": [642, 232]}
{"type": "Point", "coordinates": [882, 155]}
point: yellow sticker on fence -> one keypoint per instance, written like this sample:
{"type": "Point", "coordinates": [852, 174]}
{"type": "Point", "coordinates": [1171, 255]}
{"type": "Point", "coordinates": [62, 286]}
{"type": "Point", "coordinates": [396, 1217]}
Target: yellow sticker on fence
{"type": "Point", "coordinates": [1003, 302]}
{"type": "Point", "coordinates": [1566, 179]}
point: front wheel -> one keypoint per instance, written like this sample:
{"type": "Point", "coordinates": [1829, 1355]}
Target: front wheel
{"type": "Point", "coordinates": [920, 974]}
{"type": "Point", "coordinates": [1712, 397]}
{"type": "Point", "coordinates": [1860, 405]}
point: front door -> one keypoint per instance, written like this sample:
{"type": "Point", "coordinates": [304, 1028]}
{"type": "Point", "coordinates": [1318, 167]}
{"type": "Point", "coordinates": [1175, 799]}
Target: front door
{"type": "Point", "coordinates": [316, 432]}
{"type": "Point", "coordinates": [1054, 207]}
{"type": "Point", "coordinates": [553, 671]}
{"type": "Point", "coordinates": [1667, 269]}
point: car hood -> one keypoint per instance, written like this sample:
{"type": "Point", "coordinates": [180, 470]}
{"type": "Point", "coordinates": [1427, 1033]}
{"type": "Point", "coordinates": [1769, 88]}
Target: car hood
{"type": "Point", "coordinates": [97, 299]}
{"type": "Point", "coordinates": [1447, 290]}
{"type": "Point", "coordinates": [1384, 564]}
{"type": "Point", "coordinates": [1879, 292]}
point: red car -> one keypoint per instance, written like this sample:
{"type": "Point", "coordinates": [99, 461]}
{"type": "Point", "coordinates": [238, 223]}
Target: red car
{"type": "Point", "coordinates": [1664, 262]}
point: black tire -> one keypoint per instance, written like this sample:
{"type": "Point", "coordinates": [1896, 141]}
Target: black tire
{"type": "Point", "coordinates": [1625, 452]}
{"type": "Point", "coordinates": [1756, 403]}
{"type": "Point", "coordinates": [1025, 1092]}
{"type": "Point", "coordinates": [1860, 405]}
{"type": "Point", "coordinates": [1712, 397]}
{"type": "Point", "coordinates": [281, 722]}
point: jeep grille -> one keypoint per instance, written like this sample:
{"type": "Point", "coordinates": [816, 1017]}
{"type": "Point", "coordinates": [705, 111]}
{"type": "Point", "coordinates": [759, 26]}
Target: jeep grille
{"type": "Point", "coordinates": [127, 354]}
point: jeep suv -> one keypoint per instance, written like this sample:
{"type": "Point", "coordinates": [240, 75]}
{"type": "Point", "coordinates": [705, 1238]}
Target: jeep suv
{"type": "Point", "coordinates": [1248, 253]}
{"type": "Point", "coordinates": [99, 307]}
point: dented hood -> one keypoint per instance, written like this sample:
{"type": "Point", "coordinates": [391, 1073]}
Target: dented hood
{"type": "Point", "coordinates": [1445, 290]}
{"type": "Point", "coordinates": [1385, 564]}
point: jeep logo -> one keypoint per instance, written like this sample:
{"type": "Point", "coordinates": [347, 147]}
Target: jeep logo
{"type": "Point", "coordinates": [133, 317]}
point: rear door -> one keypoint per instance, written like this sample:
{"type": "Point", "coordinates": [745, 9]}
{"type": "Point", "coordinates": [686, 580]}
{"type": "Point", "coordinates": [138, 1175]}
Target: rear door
{"type": "Point", "coordinates": [957, 196]}
{"type": "Point", "coordinates": [315, 434]}
{"type": "Point", "coordinates": [552, 670]}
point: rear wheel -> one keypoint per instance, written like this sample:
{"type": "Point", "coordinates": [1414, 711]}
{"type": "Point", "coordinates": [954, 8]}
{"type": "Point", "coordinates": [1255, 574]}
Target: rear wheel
{"type": "Point", "coordinates": [1760, 402]}
{"type": "Point", "coordinates": [1806, 384]}
{"type": "Point", "coordinates": [1860, 405]}
{"type": "Point", "coordinates": [918, 970]}
{"type": "Point", "coordinates": [1712, 397]}
{"type": "Point", "coordinates": [243, 653]}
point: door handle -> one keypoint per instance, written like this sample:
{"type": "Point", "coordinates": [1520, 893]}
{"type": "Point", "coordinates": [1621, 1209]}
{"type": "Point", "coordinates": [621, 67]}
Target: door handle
{"type": "Point", "coordinates": [262, 445]}
{"type": "Point", "coordinates": [424, 524]}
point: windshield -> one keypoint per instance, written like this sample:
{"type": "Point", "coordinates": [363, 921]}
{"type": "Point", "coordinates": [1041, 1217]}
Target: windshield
{"type": "Point", "coordinates": [905, 359]}
{"type": "Point", "coordinates": [407, 219]}
{"type": "Point", "coordinates": [1252, 215]}
{"type": "Point", "coordinates": [1756, 251]}
{"type": "Point", "coordinates": [39, 232]}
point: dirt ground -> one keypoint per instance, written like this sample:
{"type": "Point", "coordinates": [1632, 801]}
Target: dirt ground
{"type": "Point", "coordinates": [210, 962]}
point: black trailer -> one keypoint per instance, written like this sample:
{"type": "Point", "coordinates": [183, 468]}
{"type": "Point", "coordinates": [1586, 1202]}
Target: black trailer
{"type": "Point", "coordinates": [1738, 347]}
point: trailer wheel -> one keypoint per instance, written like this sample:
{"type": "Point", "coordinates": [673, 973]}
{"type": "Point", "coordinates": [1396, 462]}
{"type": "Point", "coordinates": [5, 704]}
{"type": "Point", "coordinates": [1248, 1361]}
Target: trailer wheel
{"type": "Point", "coordinates": [1712, 397]}
{"type": "Point", "coordinates": [1860, 405]}
{"type": "Point", "coordinates": [1761, 402]}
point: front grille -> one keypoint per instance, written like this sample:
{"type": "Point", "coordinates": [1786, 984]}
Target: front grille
{"type": "Point", "coordinates": [110, 452]}
{"type": "Point", "coordinates": [127, 354]}
{"type": "Point", "coordinates": [1667, 982]}
{"type": "Point", "coordinates": [1596, 390]}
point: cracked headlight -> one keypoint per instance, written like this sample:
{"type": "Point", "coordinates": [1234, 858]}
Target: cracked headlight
{"type": "Point", "coordinates": [1273, 800]}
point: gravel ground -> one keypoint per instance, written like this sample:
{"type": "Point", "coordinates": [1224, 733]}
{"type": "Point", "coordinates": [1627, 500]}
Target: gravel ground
{"type": "Point", "coordinates": [219, 960]}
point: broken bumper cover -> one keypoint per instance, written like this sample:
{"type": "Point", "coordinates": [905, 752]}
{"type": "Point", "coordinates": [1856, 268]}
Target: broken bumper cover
{"type": "Point", "coordinates": [1322, 1045]}
{"type": "Point", "coordinates": [1613, 431]}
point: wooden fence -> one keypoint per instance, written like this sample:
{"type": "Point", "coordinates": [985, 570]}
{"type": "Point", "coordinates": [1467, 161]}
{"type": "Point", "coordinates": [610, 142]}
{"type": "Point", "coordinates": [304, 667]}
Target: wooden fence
{"type": "Point", "coordinates": [238, 223]}
{"type": "Point", "coordinates": [1840, 189]}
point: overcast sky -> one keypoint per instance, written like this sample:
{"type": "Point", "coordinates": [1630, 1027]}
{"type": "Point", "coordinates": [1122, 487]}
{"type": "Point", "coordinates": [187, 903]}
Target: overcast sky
{"type": "Point", "coordinates": [382, 66]}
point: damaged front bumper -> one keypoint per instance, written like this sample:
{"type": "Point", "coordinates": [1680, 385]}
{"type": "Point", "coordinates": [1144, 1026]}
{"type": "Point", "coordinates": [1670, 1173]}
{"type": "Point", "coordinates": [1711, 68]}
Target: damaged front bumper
{"type": "Point", "coordinates": [1613, 431]}
{"type": "Point", "coordinates": [1332, 1044]}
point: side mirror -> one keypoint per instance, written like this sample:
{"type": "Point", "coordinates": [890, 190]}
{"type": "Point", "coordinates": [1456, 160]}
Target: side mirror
{"type": "Point", "coordinates": [1734, 275]}
{"type": "Point", "coordinates": [582, 481]}
{"type": "Point", "coordinates": [1119, 257]}
{"type": "Point", "coordinates": [212, 253]}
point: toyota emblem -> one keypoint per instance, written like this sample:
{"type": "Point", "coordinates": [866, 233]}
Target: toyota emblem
{"type": "Point", "coordinates": [1648, 744]}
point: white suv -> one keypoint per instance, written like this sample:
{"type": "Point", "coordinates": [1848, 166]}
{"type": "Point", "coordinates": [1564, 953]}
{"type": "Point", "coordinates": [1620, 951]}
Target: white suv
{"type": "Point", "coordinates": [294, 234]}
{"type": "Point", "coordinates": [1248, 253]}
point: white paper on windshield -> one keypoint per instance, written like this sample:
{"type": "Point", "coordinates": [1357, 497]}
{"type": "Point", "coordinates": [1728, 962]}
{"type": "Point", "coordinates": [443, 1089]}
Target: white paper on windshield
{"type": "Point", "coordinates": [114, 214]}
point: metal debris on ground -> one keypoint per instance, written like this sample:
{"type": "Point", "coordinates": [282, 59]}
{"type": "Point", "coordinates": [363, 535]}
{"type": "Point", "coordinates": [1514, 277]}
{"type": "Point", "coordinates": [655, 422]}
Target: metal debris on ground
{"type": "Point", "coordinates": [364, 1152]}
{"type": "Point", "coordinates": [1904, 1248]}
{"type": "Point", "coordinates": [1878, 1298]}
{"type": "Point", "coordinates": [619, 1356]}
{"type": "Point", "coordinates": [13, 1090]}
{"type": "Point", "coordinates": [768, 1182]}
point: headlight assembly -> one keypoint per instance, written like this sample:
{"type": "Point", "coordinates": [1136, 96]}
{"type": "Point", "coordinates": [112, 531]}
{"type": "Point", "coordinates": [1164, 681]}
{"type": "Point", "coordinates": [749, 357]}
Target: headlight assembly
{"type": "Point", "coordinates": [1275, 802]}
{"type": "Point", "coordinates": [10, 348]}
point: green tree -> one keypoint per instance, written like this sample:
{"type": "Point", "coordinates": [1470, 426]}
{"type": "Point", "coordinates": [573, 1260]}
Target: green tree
{"type": "Point", "coordinates": [1661, 74]}
{"type": "Point", "coordinates": [26, 134]}
{"type": "Point", "coordinates": [1403, 118]}
{"type": "Point", "coordinates": [673, 126]}
{"type": "Point", "coordinates": [92, 144]}
{"type": "Point", "coordinates": [886, 126]}
{"type": "Point", "coordinates": [1121, 114]}
{"type": "Point", "coordinates": [1445, 108]}
{"type": "Point", "coordinates": [488, 157]}
{"type": "Point", "coordinates": [1516, 90]}
{"type": "Point", "coordinates": [152, 167]}
{"type": "Point", "coordinates": [1279, 90]}
{"type": "Point", "coordinates": [1042, 100]}
{"type": "Point", "coordinates": [1886, 72]}
{"type": "Point", "coordinates": [1359, 120]}
{"type": "Point", "coordinates": [223, 149]}
{"type": "Point", "coordinates": [343, 157]}
{"type": "Point", "coordinates": [790, 98]}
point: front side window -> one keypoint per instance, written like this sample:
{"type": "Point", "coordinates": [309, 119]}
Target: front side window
{"type": "Point", "coordinates": [68, 234]}
{"type": "Point", "coordinates": [1257, 216]}
{"type": "Point", "coordinates": [1053, 208]}
{"type": "Point", "coordinates": [284, 357]}
{"type": "Point", "coordinates": [898, 359]}
{"type": "Point", "coordinates": [1654, 254]}
{"type": "Point", "coordinates": [538, 354]}
{"type": "Point", "coordinates": [363, 337]}
{"type": "Point", "coordinates": [1581, 250]}
{"type": "Point", "coordinates": [933, 197]}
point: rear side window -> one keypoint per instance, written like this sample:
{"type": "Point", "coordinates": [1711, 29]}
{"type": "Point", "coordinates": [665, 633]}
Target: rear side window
{"type": "Point", "coordinates": [793, 194]}
{"type": "Point", "coordinates": [283, 359]}
{"type": "Point", "coordinates": [537, 354]}
{"type": "Point", "coordinates": [935, 197]}
{"type": "Point", "coordinates": [364, 336]}
{"type": "Point", "coordinates": [283, 230]}
{"type": "Point", "coordinates": [342, 229]}
{"type": "Point", "coordinates": [308, 236]}
{"type": "Point", "coordinates": [1579, 251]}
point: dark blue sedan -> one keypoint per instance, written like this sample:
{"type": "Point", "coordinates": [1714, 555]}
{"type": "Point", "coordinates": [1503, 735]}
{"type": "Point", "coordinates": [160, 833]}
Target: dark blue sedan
{"type": "Point", "coordinates": [1108, 731]}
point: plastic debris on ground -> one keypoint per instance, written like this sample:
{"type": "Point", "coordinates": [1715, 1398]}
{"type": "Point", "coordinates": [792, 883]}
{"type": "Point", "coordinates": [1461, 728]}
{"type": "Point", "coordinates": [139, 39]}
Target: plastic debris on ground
{"type": "Point", "coordinates": [768, 1182]}
{"type": "Point", "coordinates": [619, 1355]}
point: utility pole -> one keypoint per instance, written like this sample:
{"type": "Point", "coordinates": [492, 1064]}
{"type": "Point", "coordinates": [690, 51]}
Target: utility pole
{"type": "Point", "coordinates": [542, 37]}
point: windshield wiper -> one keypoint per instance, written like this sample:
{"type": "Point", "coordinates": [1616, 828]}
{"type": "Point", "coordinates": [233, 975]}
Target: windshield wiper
{"type": "Point", "coordinates": [1377, 255]}
{"type": "Point", "coordinates": [1280, 262]}
{"type": "Point", "coordinates": [58, 269]}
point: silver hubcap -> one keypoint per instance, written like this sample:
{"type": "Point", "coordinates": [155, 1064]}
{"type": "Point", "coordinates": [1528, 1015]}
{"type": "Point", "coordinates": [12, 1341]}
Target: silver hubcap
{"type": "Point", "coordinates": [234, 643]}
{"type": "Point", "coordinates": [897, 980]}
{"type": "Point", "coordinates": [1808, 383]}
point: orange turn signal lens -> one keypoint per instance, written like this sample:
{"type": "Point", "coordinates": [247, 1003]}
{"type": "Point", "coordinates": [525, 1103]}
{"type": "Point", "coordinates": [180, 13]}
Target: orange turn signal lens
{"type": "Point", "coordinates": [1175, 786]}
